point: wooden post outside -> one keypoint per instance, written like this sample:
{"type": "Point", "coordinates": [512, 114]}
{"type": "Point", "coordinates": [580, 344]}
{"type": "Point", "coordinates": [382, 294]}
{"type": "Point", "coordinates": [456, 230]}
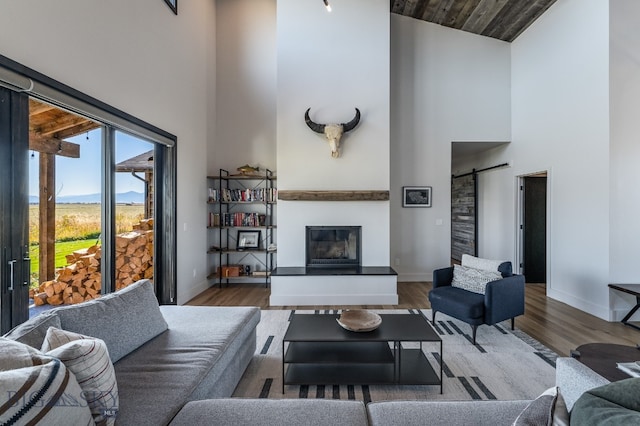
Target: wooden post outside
{"type": "Point", "coordinates": [47, 216]}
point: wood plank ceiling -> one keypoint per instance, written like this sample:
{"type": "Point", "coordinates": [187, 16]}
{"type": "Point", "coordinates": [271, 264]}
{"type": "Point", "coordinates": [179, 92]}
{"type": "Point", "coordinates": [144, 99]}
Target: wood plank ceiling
{"type": "Point", "coordinates": [50, 125]}
{"type": "Point", "coordinates": [501, 19]}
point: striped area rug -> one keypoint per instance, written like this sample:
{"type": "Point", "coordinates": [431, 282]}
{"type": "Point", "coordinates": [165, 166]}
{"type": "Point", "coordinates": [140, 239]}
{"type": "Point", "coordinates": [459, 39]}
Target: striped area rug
{"type": "Point", "coordinates": [504, 365]}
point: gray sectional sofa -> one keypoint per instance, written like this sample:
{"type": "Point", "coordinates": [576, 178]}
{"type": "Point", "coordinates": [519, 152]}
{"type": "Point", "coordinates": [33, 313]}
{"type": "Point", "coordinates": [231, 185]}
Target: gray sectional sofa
{"type": "Point", "coordinates": [572, 377]}
{"type": "Point", "coordinates": [164, 356]}
{"type": "Point", "coordinates": [179, 365]}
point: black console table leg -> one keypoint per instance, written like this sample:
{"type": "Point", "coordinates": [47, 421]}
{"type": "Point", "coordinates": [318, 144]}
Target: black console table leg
{"type": "Point", "coordinates": [625, 320]}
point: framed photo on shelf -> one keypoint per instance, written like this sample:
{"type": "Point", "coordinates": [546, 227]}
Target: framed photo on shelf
{"type": "Point", "coordinates": [248, 240]}
{"type": "Point", "coordinates": [173, 4]}
{"type": "Point", "coordinates": [416, 196]}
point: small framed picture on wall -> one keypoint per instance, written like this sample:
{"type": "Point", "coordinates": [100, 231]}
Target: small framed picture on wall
{"type": "Point", "coordinates": [173, 4]}
{"type": "Point", "coordinates": [416, 196]}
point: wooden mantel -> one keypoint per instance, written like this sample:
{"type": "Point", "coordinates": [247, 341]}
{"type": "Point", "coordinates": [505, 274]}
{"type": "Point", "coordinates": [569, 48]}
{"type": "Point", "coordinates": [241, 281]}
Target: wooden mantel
{"type": "Point", "coordinates": [291, 195]}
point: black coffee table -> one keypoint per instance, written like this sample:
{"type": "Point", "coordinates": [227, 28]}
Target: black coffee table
{"type": "Point", "coordinates": [320, 352]}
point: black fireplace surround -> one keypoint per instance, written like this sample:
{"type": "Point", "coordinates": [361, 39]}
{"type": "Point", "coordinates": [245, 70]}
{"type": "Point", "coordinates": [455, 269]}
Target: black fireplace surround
{"type": "Point", "coordinates": [333, 246]}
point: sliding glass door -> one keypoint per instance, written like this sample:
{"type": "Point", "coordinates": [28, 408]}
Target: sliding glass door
{"type": "Point", "coordinates": [84, 190]}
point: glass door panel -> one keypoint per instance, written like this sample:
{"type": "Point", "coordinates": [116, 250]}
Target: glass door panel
{"type": "Point", "coordinates": [134, 211]}
{"type": "Point", "coordinates": [65, 193]}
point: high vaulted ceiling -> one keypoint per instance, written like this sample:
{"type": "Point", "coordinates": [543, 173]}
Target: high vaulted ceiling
{"type": "Point", "coordinates": [501, 19]}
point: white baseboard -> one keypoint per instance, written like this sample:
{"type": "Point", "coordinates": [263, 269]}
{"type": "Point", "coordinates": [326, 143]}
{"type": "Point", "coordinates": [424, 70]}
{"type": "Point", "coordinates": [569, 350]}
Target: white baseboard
{"type": "Point", "coordinates": [402, 277]}
{"type": "Point", "coordinates": [186, 294]}
{"type": "Point", "coordinates": [599, 311]}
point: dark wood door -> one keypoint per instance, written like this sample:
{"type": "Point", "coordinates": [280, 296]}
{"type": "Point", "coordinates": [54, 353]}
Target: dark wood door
{"type": "Point", "coordinates": [535, 229]}
{"type": "Point", "coordinates": [14, 209]}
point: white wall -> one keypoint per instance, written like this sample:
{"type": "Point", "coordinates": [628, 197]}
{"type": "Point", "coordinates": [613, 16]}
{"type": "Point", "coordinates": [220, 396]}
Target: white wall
{"type": "Point", "coordinates": [560, 122]}
{"type": "Point", "coordinates": [333, 63]}
{"type": "Point", "coordinates": [624, 149]}
{"type": "Point", "coordinates": [496, 198]}
{"type": "Point", "coordinates": [141, 58]}
{"type": "Point", "coordinates": [447, 86]}
{"type": "Point", "coordinates": [245, 130]}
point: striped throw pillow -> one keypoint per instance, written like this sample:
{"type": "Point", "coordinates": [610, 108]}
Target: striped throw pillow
{"type": "Point", "coordinates": [35, 388]}
{"type": "Point", "coordinates": [88, 358]}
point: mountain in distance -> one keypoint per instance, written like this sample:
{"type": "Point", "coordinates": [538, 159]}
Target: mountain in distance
{"type": "Point", "coordinates": [131, 197]}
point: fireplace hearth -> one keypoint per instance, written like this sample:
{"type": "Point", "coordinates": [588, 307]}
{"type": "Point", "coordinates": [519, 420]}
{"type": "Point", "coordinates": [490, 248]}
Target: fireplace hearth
{"type": "Point", "coordinates": [333, 246]}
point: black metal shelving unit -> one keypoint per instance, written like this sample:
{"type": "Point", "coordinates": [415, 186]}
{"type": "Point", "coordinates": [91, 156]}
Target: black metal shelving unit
{"type": "Point", "coordinates": [242, 202]}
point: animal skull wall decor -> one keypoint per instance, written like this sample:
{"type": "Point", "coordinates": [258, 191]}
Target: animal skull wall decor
{"type": "Point", "coordinates": [333, 132]}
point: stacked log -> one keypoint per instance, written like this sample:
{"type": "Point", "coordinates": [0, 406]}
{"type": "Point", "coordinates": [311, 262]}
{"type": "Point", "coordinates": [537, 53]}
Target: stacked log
{"type": "Point", "coordinates": [81, 279]}
{"type": "Point", "coordinates": [77, 282]}
{"type": "Point", "coordinates": [134, 255]}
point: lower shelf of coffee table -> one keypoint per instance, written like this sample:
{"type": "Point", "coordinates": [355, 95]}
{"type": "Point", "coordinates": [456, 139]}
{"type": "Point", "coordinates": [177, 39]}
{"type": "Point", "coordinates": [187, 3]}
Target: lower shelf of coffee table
{"type": "Point", "coordinates": [319, 363]}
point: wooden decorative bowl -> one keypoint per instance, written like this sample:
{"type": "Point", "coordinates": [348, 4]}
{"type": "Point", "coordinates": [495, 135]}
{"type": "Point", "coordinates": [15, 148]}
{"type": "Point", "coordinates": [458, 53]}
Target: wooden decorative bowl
{"type": "Point", "coordinates": [359, 320]}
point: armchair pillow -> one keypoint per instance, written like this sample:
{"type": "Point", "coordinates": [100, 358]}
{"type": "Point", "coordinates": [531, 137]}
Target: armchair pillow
{"type": "Point", "coordinates": [504, 267]}
{"type": "Point", "coordinates": [472, 279]}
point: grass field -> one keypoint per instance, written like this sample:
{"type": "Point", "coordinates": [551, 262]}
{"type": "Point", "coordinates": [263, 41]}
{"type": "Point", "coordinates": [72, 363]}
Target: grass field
{"type": "Point", "coordinates": [77, 221]}
{"type": "Point", "coordinates": [77, 226]}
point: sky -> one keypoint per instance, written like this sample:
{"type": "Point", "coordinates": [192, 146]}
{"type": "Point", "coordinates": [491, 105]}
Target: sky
{"type": "Point", "coordinates": [80, 176]}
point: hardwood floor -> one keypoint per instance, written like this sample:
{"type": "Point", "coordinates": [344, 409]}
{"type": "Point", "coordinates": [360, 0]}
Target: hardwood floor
{"type": "Point", "coordinates": [555, 324]}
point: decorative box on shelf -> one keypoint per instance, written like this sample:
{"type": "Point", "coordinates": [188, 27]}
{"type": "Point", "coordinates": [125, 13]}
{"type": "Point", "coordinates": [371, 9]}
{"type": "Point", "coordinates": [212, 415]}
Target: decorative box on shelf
{"type": "Point", "coordinates": [230, 271]}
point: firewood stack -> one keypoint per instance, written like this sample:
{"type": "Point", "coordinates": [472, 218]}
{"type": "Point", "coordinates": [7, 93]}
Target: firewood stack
{"type": "Point", "coordinates": [134, 254]}
{"type": "Point", "coordinates": [81, 280]}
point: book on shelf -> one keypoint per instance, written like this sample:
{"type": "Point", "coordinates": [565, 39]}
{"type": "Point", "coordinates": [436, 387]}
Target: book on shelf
{"type": "Point", "coordinates": [214, 195]}
{"type": "Point", "coordinates": [265, 195]}
{"type": "Point", "coordinates": [240, 219]}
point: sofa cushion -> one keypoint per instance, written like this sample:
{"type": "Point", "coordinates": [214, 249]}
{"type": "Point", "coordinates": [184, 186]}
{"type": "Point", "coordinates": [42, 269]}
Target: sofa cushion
{"type": "Point", "coordinates": [459, 303]}
{"type": "Point", "coordinates": [266, 412]}
{"type": "Point", "coordinates": [36, 388]}
{"type": "Point", "coordinates": [616, 403]}
{"type": "Point", "coordinates": [472, 279]}
{"type": "Point", "coordinates": [88, 359]}
{"type": "Point", "coordinates": [444, 413]}
{"type": "Point", "coordinates": [125, 319]}
{"type": "Point", "coordinates": [32, 331]}
{"type": "Point", "coordinates": [158, 378]}
{"type": "Point", "coordinates": [547, 409]}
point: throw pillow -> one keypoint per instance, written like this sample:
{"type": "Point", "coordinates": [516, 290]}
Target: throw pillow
{"type": "Point", "coordinates": [32, 332]}
{"type": "Point", "coordinates": [480, 263]}
{"type": "Point", "coordinates": [471, 279]}
{"type": "Point", "coordinates": [36, 388]}
{"type": "Point", "coordinates": [616, 403]}
{"type": "Point", "coordinates": [549, 409]}
{"type": "Point", "coordinates": [88, 359]}
{"type": "Point", "coordinates": [125, 320]}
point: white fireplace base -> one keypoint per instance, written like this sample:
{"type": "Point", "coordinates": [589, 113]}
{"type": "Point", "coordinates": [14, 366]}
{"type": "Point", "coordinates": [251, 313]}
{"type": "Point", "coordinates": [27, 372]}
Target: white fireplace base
{"type": "Point", "coordinates": [334, 290]}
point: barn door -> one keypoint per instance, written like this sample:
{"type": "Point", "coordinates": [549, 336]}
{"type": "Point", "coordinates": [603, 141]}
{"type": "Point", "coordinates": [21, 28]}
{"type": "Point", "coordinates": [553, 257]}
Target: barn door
{"type": "Point", "coordinates": [463, 216]}
{"type": "Point", "coordinates": [14, 209]}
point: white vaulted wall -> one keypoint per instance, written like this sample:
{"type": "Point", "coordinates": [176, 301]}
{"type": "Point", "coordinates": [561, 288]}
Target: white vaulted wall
{"type": "Point", "coordinates": [333, 63]}
{"type": "Point", "coordinates": [141, 58]}
{"type": "Point", "coordinates": [447, 86]}
{"type": "Point", "coordinates": [245, 119]}
{"type": "Point", "coordinates": [560, 119]}
{"type": "Point", "coordinates": [624, 186]}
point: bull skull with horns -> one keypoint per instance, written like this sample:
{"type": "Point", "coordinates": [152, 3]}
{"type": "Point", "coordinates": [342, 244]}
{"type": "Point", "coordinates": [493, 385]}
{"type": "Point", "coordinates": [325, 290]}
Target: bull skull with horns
{"type": "Point", "coordinates": [333, 132]}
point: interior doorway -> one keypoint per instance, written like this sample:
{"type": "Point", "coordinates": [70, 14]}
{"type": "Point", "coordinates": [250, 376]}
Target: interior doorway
{"type": "Point", "coordinates": [533, 227]}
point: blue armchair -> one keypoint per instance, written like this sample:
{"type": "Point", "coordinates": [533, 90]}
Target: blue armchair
{"type": "Point", "coordinates": [503, 299]}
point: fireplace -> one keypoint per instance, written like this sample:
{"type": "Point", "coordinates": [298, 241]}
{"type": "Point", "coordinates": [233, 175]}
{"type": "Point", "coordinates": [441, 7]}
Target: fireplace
{"type": "Point", "coordinates": [333, 246]}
